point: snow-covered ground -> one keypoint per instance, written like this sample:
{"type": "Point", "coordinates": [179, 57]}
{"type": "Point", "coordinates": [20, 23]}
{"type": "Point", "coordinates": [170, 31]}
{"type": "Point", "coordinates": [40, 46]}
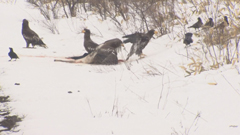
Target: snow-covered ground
{"type": "Point", "coordinates": [152, 98]}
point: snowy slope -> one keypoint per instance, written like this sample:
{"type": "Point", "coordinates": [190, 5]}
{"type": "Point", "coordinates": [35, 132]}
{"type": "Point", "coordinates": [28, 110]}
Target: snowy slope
{"type": "Point", "coordinates": [153, 97]}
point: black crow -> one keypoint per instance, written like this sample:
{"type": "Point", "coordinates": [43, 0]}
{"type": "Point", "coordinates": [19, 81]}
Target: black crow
{"type": "Point", "coordinates": [139, 42]}
{"type": "Point", "coordinates": [188, 39]}
{"type": "Point", "coordinates": [30, 36]}
{"type": "Point", "coordinates": [223, 24]}
{"type": "Point", "coordinates": [88, 43]}
{"type": "Point", "coordinates": [198, 24]}
{"type": "Point", "coordinates": [12, 54]}
{"type": "Point", "coordinates": [208, 24]}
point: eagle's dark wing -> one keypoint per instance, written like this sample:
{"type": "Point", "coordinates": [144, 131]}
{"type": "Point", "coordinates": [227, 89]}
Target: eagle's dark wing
{"type": "Point", "coordinates": [105, 58]}
{"type": "Point", "coordinates": [136, 46]}
{"type": "Point", "coordinates": [145, 38]}
{"type": "Point", "coordinates": [133, 49]}
{"type": "Point", "coordinates": [131, 38]}
{"type": "Point", "coordinates": [111, 59]}
{"type": "Point", "coordinates": [30, 36]}
{"type": "Point", "coordinates": [139, 42]}
{"type": "Point", "coordinates": [106, 53]}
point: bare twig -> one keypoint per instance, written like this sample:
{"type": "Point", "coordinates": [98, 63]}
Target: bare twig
{"type": "Point", "coordinates": [231, 85]}
{"type": "Point", "coordinates": [188, 110]}
{"type": "Point", "coordinates": [169, 70]}
{"type": "Point", "coordinates": [90, 107]}
{"type": "Point", "coordinates": [194, 122]}
{"type": "Point", "coordinates": [160, 96]}
{"type": "Point", "coordinates": [137, 95]}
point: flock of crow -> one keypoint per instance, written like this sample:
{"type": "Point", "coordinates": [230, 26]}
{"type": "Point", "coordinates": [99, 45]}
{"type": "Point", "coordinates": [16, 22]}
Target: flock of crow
{"type": "Point", "coordinates": [105, 53]}
{"type": "Point", "coordinates": [199, 24]}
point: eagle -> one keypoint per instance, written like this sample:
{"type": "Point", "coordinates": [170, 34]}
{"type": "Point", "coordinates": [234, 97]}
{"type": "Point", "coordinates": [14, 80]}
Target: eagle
{"type": "Point", "coordinates": [30, 36]}
{"type": "Point", "coordinates": [208, 24]}
{"type": "Point", "coordinates": [188, 39]}
{"type": "Point", "coordinates": [104, 54]}
{"type": "Point", "coordinates": [198, 24]}
{"type": "Point", "coordinates": [12, 54]}
{"type": "Point", "coordinates": [139, 42]}
{"type": "Point", "coordinates": [89, 45]}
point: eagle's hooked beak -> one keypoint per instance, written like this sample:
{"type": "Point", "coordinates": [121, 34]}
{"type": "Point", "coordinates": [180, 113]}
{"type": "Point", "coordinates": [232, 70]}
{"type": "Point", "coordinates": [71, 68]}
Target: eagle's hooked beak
{"type": "Point", "coordinates": [122, 45]}
{"type": "Point", "coordinates": [155, 32]}
{"type": "Point", "coordinates": [83, 31]}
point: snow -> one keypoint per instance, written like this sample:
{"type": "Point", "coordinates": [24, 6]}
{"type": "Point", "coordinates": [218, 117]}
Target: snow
{"type": "Point", "coordinates": [153, 97]}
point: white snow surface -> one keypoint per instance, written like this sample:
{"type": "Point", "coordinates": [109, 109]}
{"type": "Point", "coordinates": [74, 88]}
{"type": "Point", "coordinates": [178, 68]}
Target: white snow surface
{"type": "Point", "coordinates": [152, 98]}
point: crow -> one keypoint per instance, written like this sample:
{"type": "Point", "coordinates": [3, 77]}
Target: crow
{"type": "Point", "coordinates": [30, 36]}
{"type": "Point", "coordinates": [89, 45]}
{"type": "Point", "coordinates": [198, 24]}
{"type": "Point", "coordinates": [208, 24]}
{"type": "Point", "coordinates": [188, 39]}
{"type": "Point", "coordinates": [12, 54]}
{"type": "Point", "coordinates": [223, 24]}
{"type": "Point", "coordinates": [139, 42]}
